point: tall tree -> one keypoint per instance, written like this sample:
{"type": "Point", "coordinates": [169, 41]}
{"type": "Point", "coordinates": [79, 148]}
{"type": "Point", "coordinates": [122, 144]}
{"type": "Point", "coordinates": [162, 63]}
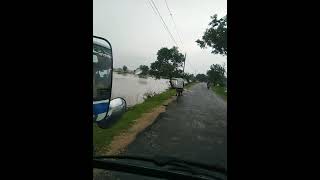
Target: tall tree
{"type": "Point", "coordinates": [188, 77]}
{"type": "Point", "coordinates": [216, 74]}
{"type": "Point", "coordinates": [201, 77]}
{"type": "Point", "coordinates": [168, 64]}
{"type": "Point", "coordinates": [144, 70]}
{"type": "Point", "coordinates": [125, 68]}
{"type": "Point", "coordinates": [215, 36]}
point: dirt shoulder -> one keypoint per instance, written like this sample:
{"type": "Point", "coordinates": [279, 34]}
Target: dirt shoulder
{"type": "Point", "coordinates": [121, 141]}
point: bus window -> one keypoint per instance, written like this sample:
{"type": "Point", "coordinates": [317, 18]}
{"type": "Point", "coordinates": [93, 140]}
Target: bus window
{"type": "Point", "coordinates": [102, 69]}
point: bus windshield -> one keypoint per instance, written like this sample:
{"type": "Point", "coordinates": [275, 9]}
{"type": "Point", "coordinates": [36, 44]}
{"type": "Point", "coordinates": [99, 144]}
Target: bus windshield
{"type": "Point", "coordinates": [102, 69]}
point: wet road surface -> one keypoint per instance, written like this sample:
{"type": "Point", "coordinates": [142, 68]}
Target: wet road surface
{"type": "Point", "coordinates": [194, 128]}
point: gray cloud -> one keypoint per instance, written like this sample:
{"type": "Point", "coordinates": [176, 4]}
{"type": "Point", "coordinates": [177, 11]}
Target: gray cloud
{"type": "Point", "coordinates": [136, 32]}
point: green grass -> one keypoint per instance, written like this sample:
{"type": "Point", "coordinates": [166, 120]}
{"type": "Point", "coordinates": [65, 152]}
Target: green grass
{"type": "Point", "coordinates": [103, 137]}
{"type": "Point", "coordinates": [220, 91]}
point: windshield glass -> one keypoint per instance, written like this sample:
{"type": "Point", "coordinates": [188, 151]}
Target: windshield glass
{"type": "Point", "coordinates": [101, 72]}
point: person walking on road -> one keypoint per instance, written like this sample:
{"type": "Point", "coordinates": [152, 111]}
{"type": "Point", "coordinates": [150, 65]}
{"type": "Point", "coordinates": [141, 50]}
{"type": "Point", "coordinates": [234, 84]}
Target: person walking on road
{"type": "Point", "coordinates": [208, 84]}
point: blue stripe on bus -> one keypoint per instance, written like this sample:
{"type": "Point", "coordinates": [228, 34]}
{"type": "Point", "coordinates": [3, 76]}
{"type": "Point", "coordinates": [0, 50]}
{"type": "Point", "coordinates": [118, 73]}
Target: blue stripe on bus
{"type": "Point", "coordinates": [100, 108]}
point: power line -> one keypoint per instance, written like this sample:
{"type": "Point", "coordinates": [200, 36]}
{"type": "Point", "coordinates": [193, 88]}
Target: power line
{"type": "Point", "coordinates": [149, 1]}
{"type": "Point", "coordinates": [175, 26]}
{"type": "Point", "coordinates": [190, 66]}
{"type": "Point", "coordinates": [163, 23]}
{"type": "Point", "coordinates": [152, 7]}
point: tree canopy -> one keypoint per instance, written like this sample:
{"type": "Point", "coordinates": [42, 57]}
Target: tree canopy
{"type": "Point", "coordinates": [168, 64]}
{"type": "Point", "coordinates": [216, 74]}
{"type": "Point", "coordinates": [201, 77]}
{"type": "Point", "coordinates": [125, 68]}
{"type": "Point", "coordinates": [144, 70]}
{"type": "Point", "coordinates": [215, 36]}
{"type": "Point", "coordinates": [188, 77]}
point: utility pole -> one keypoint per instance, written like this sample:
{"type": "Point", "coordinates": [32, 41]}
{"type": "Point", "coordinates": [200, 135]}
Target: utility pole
{"type": "Point", "coordinates": [184, 64]}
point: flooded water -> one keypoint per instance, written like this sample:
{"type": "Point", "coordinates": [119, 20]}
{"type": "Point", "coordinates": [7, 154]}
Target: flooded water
{"type": "Point", "coordinates": [133, 89]}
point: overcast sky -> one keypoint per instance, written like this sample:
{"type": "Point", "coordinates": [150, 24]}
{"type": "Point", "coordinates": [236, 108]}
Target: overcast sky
{"type": "Point", "coordinates": [136, 32]}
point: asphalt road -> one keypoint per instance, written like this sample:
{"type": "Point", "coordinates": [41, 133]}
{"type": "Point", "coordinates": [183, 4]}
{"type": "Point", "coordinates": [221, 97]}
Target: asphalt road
{"type": "Point", "coordinates": [192, 128]}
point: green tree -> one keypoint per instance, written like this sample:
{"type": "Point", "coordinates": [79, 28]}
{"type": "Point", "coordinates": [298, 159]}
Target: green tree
{"type": "Point", "coordinates": [201, 77]}
{"type": "Point", "coordinates": [188, 77]}
{"type": "Point", "coordinates": [144, 70]}
{"type": "Point", "coordinates": [215, 36]}
{"type": "Point", "coordinates": [125, 68]}
{"type": "Point", "coordinates": [168, 64]}
{"type": "Point", "coordinates": [216, 74]}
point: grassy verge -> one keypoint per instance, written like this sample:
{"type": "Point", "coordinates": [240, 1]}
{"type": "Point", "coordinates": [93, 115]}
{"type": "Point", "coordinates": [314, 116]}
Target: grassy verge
{"type": "Point", "coordinates": [220, 91]}
{"type": "Point", "coordinates": [103, 137]}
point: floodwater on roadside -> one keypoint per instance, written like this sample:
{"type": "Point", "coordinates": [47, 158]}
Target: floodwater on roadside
{"type": "Point", "coordinates": [133, 88]}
